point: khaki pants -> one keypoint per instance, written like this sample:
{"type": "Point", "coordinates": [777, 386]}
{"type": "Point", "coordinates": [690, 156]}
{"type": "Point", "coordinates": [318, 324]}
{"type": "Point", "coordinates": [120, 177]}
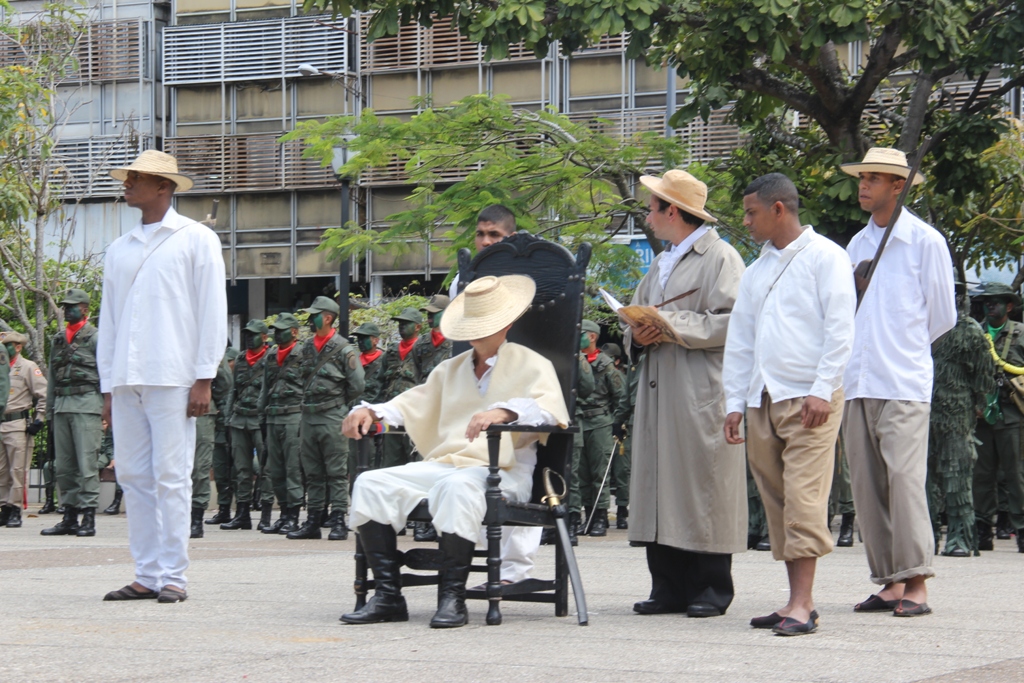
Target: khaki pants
{"type": "Point", "coordinates": [15, 452]}
{"type": "Point", "coordinates": [887, 450]}
{"type": "Point", "coordinates": [793, 467]}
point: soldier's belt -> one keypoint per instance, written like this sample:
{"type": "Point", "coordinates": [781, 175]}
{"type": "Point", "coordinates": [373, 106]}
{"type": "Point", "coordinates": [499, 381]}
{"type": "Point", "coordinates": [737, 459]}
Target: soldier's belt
{"type": "Point", "coordinates": [283, 410]}
{"type": "Point", "coordinates": [80, 389]}
{"type": "Point", "coordinates": [595, 412]}
{"type": "Point", "coordinates": [11, 417]}
{"type": "Point", "coordinates": [322, 407]}
{"type": "Point", "coordinates": [247, 412]}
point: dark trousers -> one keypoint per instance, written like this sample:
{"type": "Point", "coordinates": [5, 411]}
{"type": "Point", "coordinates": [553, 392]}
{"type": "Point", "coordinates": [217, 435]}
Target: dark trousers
{"type": "Point", "coordinates": [680, 578]}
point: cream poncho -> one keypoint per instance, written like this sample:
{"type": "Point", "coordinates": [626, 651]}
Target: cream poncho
{"type": "Point", "coordinates": [437, 412]}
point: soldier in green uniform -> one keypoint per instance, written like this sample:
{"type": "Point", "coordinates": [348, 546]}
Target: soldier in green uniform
{"type": "Point", "coordinates": [333, 381]}
{"type": "Point", "coordinates": [244, 420]}
{"type": "Point", "coordinates": [74, 405]}
{"type": "Point", "coordinates": [206, 436]}
{"type": "Point", "coordinates": [401, 374]}
{"type": "Point", "coordinates": [106, 458]}
{"type": "Point", "coordinates": [432, 347]}
{"type": "Point", "coordinates": [372, 359]}
{"type": "Point", "coordinates": [622, 463]}
{"type": "Point", "coordinates": [584, 388]}
{"type": "Point", "coordinates": [999, 429]}
{"type": "Point", "coordinates": [222, 470]}
{"type": "Point", "coordinates": [281, 402]}
{"type": "Point", "coordinates": [841, 499]}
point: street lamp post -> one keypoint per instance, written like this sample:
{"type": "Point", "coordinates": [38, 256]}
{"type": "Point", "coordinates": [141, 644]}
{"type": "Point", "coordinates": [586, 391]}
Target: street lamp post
{"type": "Point", "coordinates": [342, 155]}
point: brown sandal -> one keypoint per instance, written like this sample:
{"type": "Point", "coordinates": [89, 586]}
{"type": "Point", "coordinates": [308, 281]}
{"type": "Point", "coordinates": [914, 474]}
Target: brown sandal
{"type": "Point", "coordinates": [129, 593]}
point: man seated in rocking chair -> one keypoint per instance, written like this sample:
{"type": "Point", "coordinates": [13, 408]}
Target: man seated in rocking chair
{"type": "Point", "coordinates": [497, 382]}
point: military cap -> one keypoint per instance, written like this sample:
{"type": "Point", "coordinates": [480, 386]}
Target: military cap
{"type": "Point", "coordinates": [591, 326]}
{"type": "Point", "coordinates": [285, 321]}
{"type": "Point", "coordinates": [368, 330]}
{"type": "Point", "coordinates": [75, 296]}
{"type": "Point", "coordinates": [997, 290]}
{"type": "Point", "coordinates": [13, 337]}
{"type": "Point", "coordinates": [437, 303]}
{"type": "Point", "coordinates": [258, 326]}
{"type": "Point", "coordinates": [231, 353]}
{"type": "Point", "coordinates": [612, 349]}
{"type": "Point", "coordinates": [323, 304]}
{"type": "Point", "coordinates": [409, 315]}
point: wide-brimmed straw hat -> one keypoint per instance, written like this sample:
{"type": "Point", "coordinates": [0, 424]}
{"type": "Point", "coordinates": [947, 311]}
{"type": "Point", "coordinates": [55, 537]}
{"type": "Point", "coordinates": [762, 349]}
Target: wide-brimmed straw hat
{"type": "Point", "coordinates": [682, 190]}
{"type": "Point", "coordinates": [155, 163]}
{"type": "Point", "coordinates": [883, 160]}
{"type": "Point", "coordinates": [486, 306]}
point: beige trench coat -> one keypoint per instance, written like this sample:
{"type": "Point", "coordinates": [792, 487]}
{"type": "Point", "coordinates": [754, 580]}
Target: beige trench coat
{"type": "Point", "coordinates": [689, 488]}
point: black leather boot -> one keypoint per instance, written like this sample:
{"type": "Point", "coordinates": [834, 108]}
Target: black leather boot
{"type": "Point", "coordinates": [223, 515]}
{"type": "Point", "coordinates": [451, 600]}
{"type": "Point", "coordinates": [15, 519]}
{"type": "Point", "coordinates": [984, 535]}
{"type": "Point", "coordinates": [276, 526]}
{"type": "Point", "coordinates": [266, 516]}
{"type": "Point", "coordinates": [339, 532]}
{"type": "Point", "coordinates": [311, 527]}
{"type": "Point", "coordinates": [386, 603]}
{"type": "Point", "coordinates": [1020, 538]}
{"type": "Point", "coordinates": [115, 507]}
{"type": "Point", "coordinates": [424, 533]}
{"type": "Point", "coordinates": [329, 520]}
{"type": "Point", "coordinates": [573, 524]}
{"type": "Point", "coordinates": [88, 524]}
{"type": "Point", "coordinates": [548, 536]}
{"type": "Point", "coordinates": [48, 506]}
{"type": "Point", "coordinates": [599, 527]}
{"type": "Point", "coordinates": [196, 530]}
{"type": "Point", "coordinates": [1003, 528]}
{"type": "Point", "coordinates": [65, 527]}
{"type": "Point", "coordinates": [582, 527]}
{"type": "Point", "coordinates": [242, 520]}
{"type": "Point", "coordinates": [622, 517]}
{"type": "Point", "coordinates": [291, 522]}
{"type": "Point", "coordinates": [5, 514]}
{"type": "Point", "coordinates": [764, 544]}
{"type": "Point", "coordinates": [845, 539]}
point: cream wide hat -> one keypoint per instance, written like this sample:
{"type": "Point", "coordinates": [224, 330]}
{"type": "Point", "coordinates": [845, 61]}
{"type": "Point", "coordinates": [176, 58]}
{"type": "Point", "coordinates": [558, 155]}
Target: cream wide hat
{"type": "Point", "coordinates": [486, 306]}
{"type": "Point", "coordinates": [682, 190]}
{"type": "Point", "coordinates": [883, 160]}
{"type": "Point", "coordinates": [155, 163]}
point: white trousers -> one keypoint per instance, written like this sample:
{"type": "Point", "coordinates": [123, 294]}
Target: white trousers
{"type": "Point", "coordinates": [455, 495]}
{"type": "Point", "coordinates": [154, 446]}
{"type": "Point", "coordinates": [519, 545]}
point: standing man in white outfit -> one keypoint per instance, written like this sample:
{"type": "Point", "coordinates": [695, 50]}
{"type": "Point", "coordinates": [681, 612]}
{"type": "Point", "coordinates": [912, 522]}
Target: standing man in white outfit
{"type": "Point", "coordinates": [162, 331]}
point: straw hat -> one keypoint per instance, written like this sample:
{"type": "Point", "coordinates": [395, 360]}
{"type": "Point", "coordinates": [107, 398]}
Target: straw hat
{"type": "Point", "coordinates": [883, 160]}
{"type": "Point", "coordinates": [155, 163]}
{"type": "Point", "coordinates": [486, 306]}
{"type": "Point", "coordinates": [682, 190]}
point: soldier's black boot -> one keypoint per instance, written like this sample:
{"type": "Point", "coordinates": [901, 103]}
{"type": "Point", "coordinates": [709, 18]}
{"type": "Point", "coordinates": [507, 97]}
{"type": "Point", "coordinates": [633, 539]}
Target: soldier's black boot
{"type": "Point", "coordinates": [583, 527]}
{"type": "Point", "coordinates": [65, 527]}
{"type": "Point", "coordinates": [266, 516]}
{"type": "Point", "coordinates": [1020, 535]}
{"type": "Point", "coordinates": [574, 522]}
{"type": "Point", "coordinates": [242, 520]}
{"type": "Point", "coordinates": [622, 517]}
{"type": "Point", "coordinates": [88, 524]}
{"type": "Point", "coordinates": [15, 520]}
{"type": "Point", "coordinates": [425, 533]}
{"type": "Point", "coordinates": [1003, 528]}
{"type": "Point", "coordinates": [276, 526]}
{"type": "Point", "coordinates": [48, 506]}
{"type": "Point", "coordinates": [386, 604]}
{"type": "Point", "coordinates": [310, 528]}
{"type": "Point", "coordinates": [291, 520]}
{"type": "Point", "coordinates": [845, 539]}
{"type": "Point", "coordinates": [984, 535]}
{"type": "Point", "coordinates": [339, 532]}
{"type": "Point", "coordinates": [196, 529]}
{"type": "Point", "coordinates": [548, 536]}
{"type": "Point", "coordinates": [451, 600]}
{"type": "Point", "coordinates": [764, 544]}
{"type": "Point", "coordinates": [329, 520]}
{"type": "Point", "coordinates": [5, 514]}
{"type": "Point", "coordinates": [599, 527]}
{"type": "Point", "coordinates": [115, 507]}
{"type": "Point", "coordinates": [223, 515]}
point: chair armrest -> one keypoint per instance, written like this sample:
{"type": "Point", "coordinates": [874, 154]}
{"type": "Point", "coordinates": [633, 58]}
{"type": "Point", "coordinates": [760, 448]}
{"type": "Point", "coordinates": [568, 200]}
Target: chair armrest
{"type": "Point", "coordinates": [539, 429]}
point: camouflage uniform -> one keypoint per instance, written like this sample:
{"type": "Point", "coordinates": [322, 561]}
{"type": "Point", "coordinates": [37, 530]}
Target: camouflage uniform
{"type": "Point", "coordinates": [244, 424]}
{"type": "Point", "coordinates": [400, 374]}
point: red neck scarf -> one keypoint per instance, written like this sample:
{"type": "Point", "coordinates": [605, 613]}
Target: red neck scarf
{"type": "Point", "coordinates": [72, 330]}
{"type": "Point", "coordinates": [591, 357]}
{"type": "Point", "coordinates": [436, 337]}
{"type": "Point", "coordinates": [282, 352]}
{"type": "Point", "coordinates": [404, 347]}
{"type": "Point", "coordinates": [319, 341]}
{"type": "Point", "coordinates": [13, 360]}
{"type": "Point", "coordinates": [252, 358]}
{"type": "Point", "coordinates": [370, 356]}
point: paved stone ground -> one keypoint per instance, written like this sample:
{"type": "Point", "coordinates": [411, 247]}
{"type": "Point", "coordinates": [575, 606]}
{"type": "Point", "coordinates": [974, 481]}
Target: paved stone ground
{"type": "Point", "coordinates": [264, 608]}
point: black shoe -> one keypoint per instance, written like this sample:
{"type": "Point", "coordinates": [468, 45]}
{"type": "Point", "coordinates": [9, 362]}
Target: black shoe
{"type": "Point", "coordinates": [310, 528]}
{"type": "Point", "coordinates": [197, 523]}
{"type": "Point", "coordinates": [66, 527]}
{"type": "Point", "coordinates": [256, 505]}
{"type": "Point", "coordinates": [425, 533]}
{"type": "Point", "coordinates": [291, 520]}
{"type": "Point", "coordinates": [764, 544]}
{"type": "Point", "coordinates": [599, 527]}
{"type": "Point", "coordinates": [223, 515]}
{"type": "Point", "coordinates": [622, 517]}
{"type": "Point", "coordinates": [792, 627]}
{"type": "Point", "coordinates": [984, 535]}
{"type": "Point", "coordinates": [5, 514]}
{"type": "Point", "coordinates": [276, 526]}
{"type": "Point", "coordinates": [387, 603]}
{"type": "Point", "coordinates": [88, 525]}
{"type": "Point", "coordinates": [1003, 528]}
{"type": "Point", "coordinates": [451, 600]}
{"type": "Point", "coordinates": [573, 524]}
{"type": "Point", "coordinates": [846, 531]}
{"type": "Point", "coordinates": [752, 540]}
{"type": "Point", "coordinates": [115, 507]}
{"type": "Point", "coordinates": [339, 532]}
{"type": "Point", "coordinates": [242, 519]}
{"type": "Point", "coordinates": [655, 607]}
{"type": "Point", "coordinates": [331, 519]}
{"type": "Point", "coordinates": [266, 516]}
{"type": "Point", "coordinates": [548, 536]}
{"type": "Point", "coordinates": [700, 610]}
{"type": "Point", "coordinates": [48, 507]}
{"type": "Point", "coordinates": [1020, 538]}
{"type": "Point", "coordinates": [15, 519]}
{"type": "Point", "coordinates": [774, 619]}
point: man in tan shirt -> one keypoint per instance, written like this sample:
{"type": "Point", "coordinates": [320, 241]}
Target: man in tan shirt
{"type": "Point", "coordinates": [28, 392]}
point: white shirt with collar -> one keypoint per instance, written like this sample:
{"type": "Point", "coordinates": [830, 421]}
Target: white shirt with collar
{"type": "Point", "coordinates": [909, 304]}
{"type": "Point", "coordinates": [169, 327]}
{"type": "Point", "coordinates": [791, 328]}
{"type": "Point", "coordinates": [671, 256]}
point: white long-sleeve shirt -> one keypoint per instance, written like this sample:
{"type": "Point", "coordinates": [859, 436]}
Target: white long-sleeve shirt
{"type": "Point", "coordinates": [169, 327]}
{"type": "Point", "coordinates": [909, 304]}
{"type": "Point", "coordinates": [791, 329]}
